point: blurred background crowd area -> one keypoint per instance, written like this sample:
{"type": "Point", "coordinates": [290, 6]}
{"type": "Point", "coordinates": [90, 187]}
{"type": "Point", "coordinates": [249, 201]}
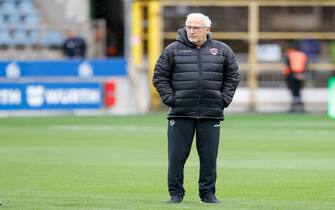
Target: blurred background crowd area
{"type": "Point", "coordinates": [259, 32]}
{"type": "Point", "coordinates": [36, 29]}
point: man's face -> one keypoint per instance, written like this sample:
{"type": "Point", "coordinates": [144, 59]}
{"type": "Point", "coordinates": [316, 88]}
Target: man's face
{"type": "Point", "coordinates": [196, 32]}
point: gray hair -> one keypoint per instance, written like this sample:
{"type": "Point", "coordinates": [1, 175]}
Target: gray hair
{"type": "Point", "coordinates": [207, 22]}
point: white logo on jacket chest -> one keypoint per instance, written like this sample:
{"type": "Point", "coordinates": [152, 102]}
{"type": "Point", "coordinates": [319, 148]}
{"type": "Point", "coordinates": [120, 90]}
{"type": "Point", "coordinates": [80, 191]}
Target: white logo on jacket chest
{"type": "Point", "coordinates": [214, 51]}
{"type": "Point", "coordinates": [185, 51]}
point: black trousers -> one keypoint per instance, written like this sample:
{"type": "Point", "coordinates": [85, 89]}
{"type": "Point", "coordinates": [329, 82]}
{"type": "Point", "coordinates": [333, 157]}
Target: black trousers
{"type": "Point", "coordinates": [180, 137]}
{"type": "Point", "coordinates": [295, 85]}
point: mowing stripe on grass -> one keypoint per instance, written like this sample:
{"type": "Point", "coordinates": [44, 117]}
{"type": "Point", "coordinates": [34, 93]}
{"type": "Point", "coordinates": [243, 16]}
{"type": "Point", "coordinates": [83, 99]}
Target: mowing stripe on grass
{"type": "Point", "coordinates": [108, 128]}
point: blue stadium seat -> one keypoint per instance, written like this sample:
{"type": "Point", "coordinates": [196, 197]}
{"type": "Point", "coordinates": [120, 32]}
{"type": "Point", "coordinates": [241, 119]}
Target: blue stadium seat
{"type": "Point", "coordinates": [8, 8]}
{"type": "Point", "coordinates": [5, 39]}
{"type": "Point", "coordinates": [33, 36]}
{"type": "Point", "coordinates": [24, 1]}
{"type": "Point", "coordinates": [26, 37]}
{"type": "Point", "coordinates": [2, 21]}
{"type": "Point", "coordinates": [31, 21]}
{"type": "Point", "coordinates": [52, 39]}
{"type": "Point", "coordinates": [14, 19]}
{"type": "Point", "coordinates": [21, 38]}
{"type": "Point", "coordinates": [26, 10]}
{"type": "Point", "coordinates": [24, 4]}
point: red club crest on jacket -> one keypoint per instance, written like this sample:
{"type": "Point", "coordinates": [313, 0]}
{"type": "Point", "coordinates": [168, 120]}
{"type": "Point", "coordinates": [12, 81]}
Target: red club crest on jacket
{"type": "Point", "coordinates": [214, 51]}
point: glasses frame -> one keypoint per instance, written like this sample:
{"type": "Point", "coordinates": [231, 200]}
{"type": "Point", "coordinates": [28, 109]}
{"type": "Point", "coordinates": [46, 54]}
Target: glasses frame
{"type": "Point", "coordinates": [195, 28]}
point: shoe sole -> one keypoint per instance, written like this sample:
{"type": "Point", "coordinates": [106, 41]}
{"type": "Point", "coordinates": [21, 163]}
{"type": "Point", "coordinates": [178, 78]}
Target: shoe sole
{"type": "Point", "coordinates": [174, 202]}
{"type": "Point", "coordinates": [209, 203]}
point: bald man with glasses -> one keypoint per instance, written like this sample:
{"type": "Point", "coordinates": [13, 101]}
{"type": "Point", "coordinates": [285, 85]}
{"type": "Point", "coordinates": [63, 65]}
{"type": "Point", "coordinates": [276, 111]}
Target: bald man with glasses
{"type": "Point", "coordinates": [196, 77]}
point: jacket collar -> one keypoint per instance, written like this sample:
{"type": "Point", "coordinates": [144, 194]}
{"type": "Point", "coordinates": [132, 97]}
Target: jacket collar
{"type": "Point", "coordinates": [182, 37]}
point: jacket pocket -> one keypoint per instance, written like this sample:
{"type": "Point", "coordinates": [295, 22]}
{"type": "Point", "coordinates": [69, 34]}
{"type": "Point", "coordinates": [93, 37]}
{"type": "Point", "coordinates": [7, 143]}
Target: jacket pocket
{"type": "Point", "coordinates": [169, 101]}
{"type": "Point", "coordinates": [226, 100]}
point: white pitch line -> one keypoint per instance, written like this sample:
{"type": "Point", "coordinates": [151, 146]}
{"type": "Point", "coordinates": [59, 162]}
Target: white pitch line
{"type": "Point", "coordinates": [107, 128]}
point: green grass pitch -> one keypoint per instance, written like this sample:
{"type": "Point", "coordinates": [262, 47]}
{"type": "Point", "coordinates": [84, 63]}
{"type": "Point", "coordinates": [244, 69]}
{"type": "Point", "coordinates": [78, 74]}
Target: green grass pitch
{"type": "Point", "coordinates": [266, 161]}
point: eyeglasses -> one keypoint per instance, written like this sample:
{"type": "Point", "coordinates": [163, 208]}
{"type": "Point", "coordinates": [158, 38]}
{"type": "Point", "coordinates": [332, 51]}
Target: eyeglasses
{"type": "Point", "coordinates": [194, 28]}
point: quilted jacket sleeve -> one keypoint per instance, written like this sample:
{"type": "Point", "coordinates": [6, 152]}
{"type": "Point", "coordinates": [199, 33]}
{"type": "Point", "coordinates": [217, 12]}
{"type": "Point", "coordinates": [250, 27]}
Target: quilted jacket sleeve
{"type": "Point", "coordinates": [162, 78]}
{"type": "Point", "coordinates": [230, 77]}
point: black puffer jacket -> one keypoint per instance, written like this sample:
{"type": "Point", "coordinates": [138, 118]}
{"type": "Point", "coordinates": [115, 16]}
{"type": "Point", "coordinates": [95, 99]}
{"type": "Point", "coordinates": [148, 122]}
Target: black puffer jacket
{"type": "Point", "coordinates": [196, 82]}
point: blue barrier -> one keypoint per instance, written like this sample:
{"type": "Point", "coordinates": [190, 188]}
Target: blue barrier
{"type": "Point", "coordinates": [63, 68]}
{"type": "Point", "coordinates": [51, 96]}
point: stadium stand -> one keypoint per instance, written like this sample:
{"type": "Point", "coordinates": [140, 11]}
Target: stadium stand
{"type": "Point", "coordinates": [19, 21]}
{"type": "Point", "coordinates": [35, 29]}
{"type": "Point", "coordinates": [5, 39]}
{"type": "Point", "coordinates": [52, 40]}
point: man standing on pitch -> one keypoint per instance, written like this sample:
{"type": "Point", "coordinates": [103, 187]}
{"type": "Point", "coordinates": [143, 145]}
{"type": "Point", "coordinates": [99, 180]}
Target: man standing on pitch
{"type": "Point", "coordinates": [295, 75]}
{"type": "Point", "coordinates": [197, 78]}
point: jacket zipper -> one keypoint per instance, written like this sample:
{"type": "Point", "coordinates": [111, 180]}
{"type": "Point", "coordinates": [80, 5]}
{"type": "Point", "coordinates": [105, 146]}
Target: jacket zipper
{"type": "Point", "coordinates": [200, 83]}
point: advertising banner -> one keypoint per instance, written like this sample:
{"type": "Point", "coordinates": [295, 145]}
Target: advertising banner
{"type": "Point", "coordinates": [51, 96]}
{"type": "Point", "coordinates": [63, 68]}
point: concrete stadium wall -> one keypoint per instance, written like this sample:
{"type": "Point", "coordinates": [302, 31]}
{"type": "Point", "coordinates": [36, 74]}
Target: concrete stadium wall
{"type": "Point", "coordinates": [279, 99]}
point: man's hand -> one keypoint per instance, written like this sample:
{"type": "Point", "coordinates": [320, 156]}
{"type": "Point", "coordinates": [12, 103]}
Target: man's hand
{"type": "Point", "coordinates": [300, 76]}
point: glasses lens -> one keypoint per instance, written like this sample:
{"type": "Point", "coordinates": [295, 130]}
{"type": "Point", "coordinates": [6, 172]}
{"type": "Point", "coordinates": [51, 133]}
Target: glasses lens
{"type": "Point", "coordinates": [194, 28]}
